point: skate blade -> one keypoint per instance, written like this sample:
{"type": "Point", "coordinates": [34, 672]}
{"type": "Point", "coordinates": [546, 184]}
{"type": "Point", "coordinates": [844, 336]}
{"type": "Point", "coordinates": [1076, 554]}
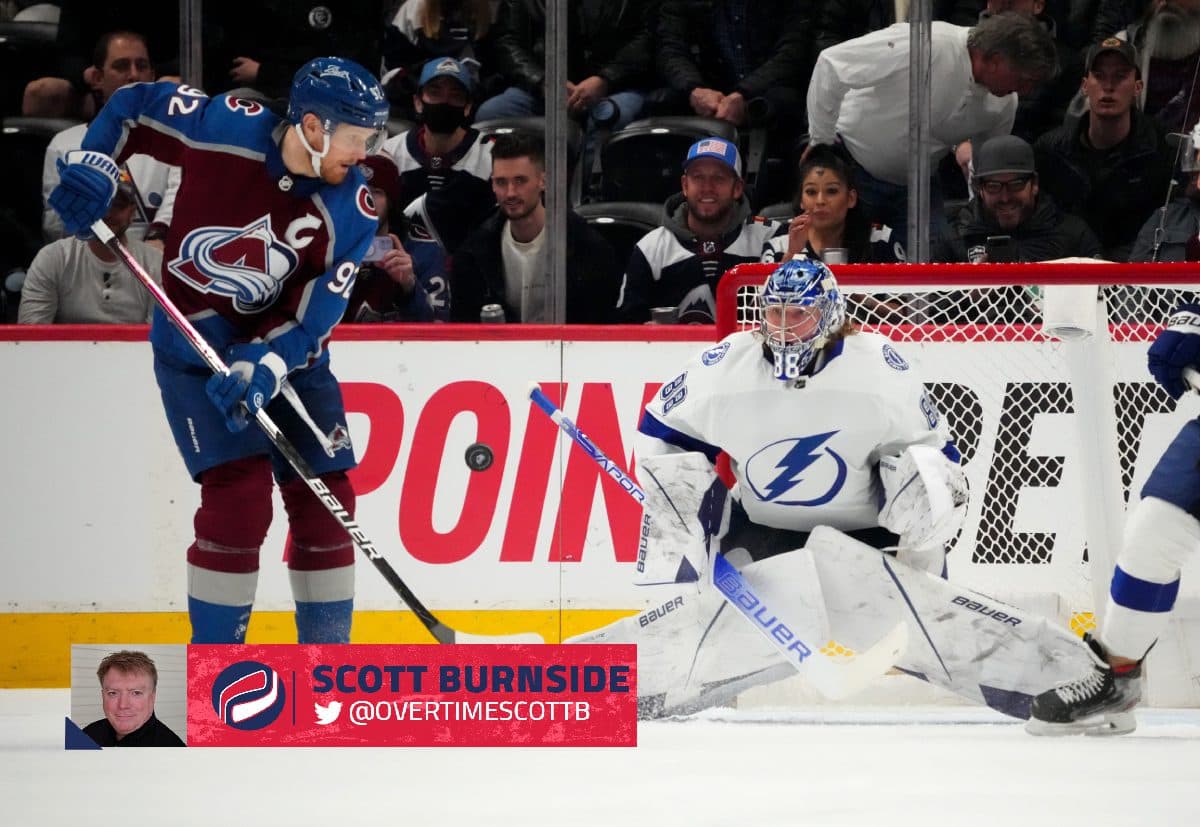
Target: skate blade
{"type": "Point", "coordinates": [1109, 724]}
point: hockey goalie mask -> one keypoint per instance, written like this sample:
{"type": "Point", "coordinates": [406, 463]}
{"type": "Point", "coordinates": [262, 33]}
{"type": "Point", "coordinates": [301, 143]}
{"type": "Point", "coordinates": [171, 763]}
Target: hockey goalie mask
{"type": "Point", "coordinates": [802, 309]}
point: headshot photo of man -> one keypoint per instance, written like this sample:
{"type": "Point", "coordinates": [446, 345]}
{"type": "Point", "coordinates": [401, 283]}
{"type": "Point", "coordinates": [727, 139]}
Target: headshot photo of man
{"type": "Point", "coordinates": [129, 684]}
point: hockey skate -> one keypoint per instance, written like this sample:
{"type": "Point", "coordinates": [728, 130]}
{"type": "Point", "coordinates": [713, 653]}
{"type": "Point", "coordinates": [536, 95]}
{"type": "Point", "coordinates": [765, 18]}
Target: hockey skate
{"type": "Point", "coordinates": [1100, 703]}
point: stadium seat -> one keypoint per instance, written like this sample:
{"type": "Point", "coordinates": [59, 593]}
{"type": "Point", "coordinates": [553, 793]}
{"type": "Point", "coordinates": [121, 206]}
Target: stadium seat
{"type": "Point", "coordinates": [622, 223]}
{"type": "Point", "coordinates": [779, 211]}
{"type": "Point", "coordinates": [643, 161]}
{"type": "Point", "coordinates": [27, 52]}
{"type": "Point", "coordinates": [23, 146]}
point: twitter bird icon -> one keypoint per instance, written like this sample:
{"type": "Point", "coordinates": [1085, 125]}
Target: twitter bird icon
{"type": "Point", "coordinates": [326, 715]}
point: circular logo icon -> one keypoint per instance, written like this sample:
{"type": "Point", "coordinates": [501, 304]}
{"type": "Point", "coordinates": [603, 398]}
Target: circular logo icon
{"type": "Point", "coordinates": [320, 17]}
{"type": "Point", "coordinates": [248, 695]}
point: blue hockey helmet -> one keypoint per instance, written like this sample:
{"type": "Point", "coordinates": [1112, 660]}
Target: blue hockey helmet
{"type": "Point", "coordinates": [338, 91]}
{"type": "Point", "coordinates": [802, 309]}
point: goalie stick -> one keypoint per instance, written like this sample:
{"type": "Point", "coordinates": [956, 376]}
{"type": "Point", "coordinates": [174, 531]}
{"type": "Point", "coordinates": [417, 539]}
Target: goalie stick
{"type": "Point", "coordinates": [440, 631]}
{"type": "Point", "coordinates": [833, 678]}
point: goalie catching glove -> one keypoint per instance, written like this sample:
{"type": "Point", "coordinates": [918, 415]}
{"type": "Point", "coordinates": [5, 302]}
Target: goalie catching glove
{"type": "Point", "coordinates": [255, 375]}
{"type": "Point", "coordinates": [925, 497]}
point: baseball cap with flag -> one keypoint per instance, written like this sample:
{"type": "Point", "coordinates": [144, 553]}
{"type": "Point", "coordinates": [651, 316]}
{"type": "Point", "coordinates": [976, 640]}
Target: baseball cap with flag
{"type": "Point", "coordinates": [718, 148]}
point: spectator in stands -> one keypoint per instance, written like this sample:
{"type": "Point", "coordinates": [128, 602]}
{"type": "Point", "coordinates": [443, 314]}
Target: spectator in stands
{"type": "Point", "coordinates": [443, 154]}
{"type": "Point", "coordinates": [1010, 210]}
{"type": "Point", "coordinates": [119, 58]}
{"type": "Point", "coordinates": [504, 261]}
{"type": "Point", "coordinates": [608, 58]}
{"type": "Point", "coordinates": [1044, 107]}
{"type": "Point", "coordinates": [72, 281]}
{"type": "Point", "coordinates": [1112, 168]}
{"type": "Point", "coordinates": [1170, 233]}
{"type": "Point", "coordinates": [707, 228]}
{"type": "Point", "coordinates": [828, 216]}
{"type": "Point", "coordinates": [128, 687]}
{"type": "Point", "coordinates": [859, 92]}
{"type": "Point", "coordinates": [422, 30]}
{"type": "Point", "coordinates": [80, 25]}
{"type": "Point", "coordinates": [402, 279]}
{"type": "Point", "coordinates": [842, 20]}
{"type": "Point", "coordinates": [740, 62]}
{"type": "Point", "coordinates": [1167, 37]}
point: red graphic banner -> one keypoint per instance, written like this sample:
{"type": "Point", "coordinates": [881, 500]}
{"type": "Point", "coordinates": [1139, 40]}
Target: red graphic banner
{"type": "Point", "coordinates": [412, 695]}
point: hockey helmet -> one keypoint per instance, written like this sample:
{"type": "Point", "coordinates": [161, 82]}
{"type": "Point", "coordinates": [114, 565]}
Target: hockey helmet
{"type": "Point", "coordinates": [802, 309]}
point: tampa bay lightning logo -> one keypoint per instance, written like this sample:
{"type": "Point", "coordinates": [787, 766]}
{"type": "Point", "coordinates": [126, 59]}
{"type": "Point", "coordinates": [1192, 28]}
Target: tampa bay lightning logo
{"type": "Point", "coordinates": [246, 264]}
{"type": "Point", "coordinates": [893, 358]}
{"type": "Point", "coordinates": [714, 354]}
{"type": "Point", "coordinates": [248, 695]}
{"type": "Point", "coordinates": [799, 471]}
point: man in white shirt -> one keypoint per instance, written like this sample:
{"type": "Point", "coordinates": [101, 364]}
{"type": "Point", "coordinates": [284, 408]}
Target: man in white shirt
{"type": "Point", "coordinates": [504, 261]}
{"type": "Point", "coordinates": [120, 58]}
{"type": "Point", "coordinates": [859, 93]}
{"type": "Point", "coordinates": [72, 281]}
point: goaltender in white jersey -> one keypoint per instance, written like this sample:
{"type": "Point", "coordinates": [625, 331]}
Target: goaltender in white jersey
{"type": "Point", "coordinates": [823, 425]}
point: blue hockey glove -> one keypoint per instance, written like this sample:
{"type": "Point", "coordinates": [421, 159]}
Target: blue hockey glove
{"type": "Point", "coordinates": [87, 184]}
{"type": "Point", "coordinates": [1176, 348]}
{"type": "Point", "coordinates": [255, 375]}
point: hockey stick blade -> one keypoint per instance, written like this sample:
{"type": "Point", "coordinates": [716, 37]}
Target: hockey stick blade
{"type": "Point", "coordinates": [440, 631]}
{"type": "Point", "coordinates": [833, 678]}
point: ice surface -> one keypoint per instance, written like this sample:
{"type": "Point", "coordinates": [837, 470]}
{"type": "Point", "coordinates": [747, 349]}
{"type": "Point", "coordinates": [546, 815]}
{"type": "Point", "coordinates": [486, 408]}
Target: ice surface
{"type": "Point", "coordinates": [926, 766]}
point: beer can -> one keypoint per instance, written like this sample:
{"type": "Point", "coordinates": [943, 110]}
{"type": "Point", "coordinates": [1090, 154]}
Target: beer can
{"type": "Point", "coordinates": [491, 314]}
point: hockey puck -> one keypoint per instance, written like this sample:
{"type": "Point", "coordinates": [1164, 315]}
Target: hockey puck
{"type": "Point", "coordinates": [479, 457]}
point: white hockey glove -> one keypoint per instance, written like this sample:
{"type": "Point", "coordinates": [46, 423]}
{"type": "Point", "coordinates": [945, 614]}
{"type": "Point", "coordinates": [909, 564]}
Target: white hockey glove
{"type": "Point", "coordinates": [685, 505]}
{"type": "Point", "coordinates": [925, 501]}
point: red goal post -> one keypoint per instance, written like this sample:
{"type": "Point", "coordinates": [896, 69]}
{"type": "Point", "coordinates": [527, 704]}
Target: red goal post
{"type": "Point", "coordinates": [1057, 431]}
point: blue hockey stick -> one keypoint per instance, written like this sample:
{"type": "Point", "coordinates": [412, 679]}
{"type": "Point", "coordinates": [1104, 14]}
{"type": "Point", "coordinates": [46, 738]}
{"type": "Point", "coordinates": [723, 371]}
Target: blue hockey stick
{"type": "Point", "coordinates": [832, 677]}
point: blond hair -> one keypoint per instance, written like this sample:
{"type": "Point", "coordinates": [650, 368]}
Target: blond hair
{"type": "Point", "coordinates": [128, 661]}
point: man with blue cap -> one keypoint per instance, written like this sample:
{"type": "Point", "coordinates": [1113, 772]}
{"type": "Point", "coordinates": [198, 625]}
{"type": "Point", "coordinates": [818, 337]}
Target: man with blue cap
{"type": "Point", "coordinates": [707, 228]}
{"type": "Point", "coordinates": [444, 155]}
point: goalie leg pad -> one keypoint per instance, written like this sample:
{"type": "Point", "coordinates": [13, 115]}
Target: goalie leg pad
{"type": "Point", "coordinates": [1159, 538]}
{"type": "Point", "coordinates": [230, 525]}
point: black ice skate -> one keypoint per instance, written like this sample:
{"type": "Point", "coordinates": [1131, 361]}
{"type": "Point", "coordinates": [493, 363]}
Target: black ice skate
{"type": "Point", "coordinates": [1100, 703]}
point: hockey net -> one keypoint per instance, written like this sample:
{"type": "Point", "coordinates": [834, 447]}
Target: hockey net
{"type": "Point", "coordinates": [1040, 373]}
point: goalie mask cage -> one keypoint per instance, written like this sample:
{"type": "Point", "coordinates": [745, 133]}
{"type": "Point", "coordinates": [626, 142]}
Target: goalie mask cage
{"type": "Point", "coordinates": [1040, 373]}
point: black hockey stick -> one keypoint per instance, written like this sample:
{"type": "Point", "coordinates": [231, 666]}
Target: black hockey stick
{"type": "Point", "coordinates": [440, 631]}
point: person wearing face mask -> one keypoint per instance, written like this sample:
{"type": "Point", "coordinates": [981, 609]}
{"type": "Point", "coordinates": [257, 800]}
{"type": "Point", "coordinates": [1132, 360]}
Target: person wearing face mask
{"type": "Point", "coordinates": [444, 155]}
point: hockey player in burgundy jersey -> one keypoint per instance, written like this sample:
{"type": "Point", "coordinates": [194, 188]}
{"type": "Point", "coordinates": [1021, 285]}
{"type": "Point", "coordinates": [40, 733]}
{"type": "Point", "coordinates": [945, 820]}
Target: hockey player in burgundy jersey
{"type": "Point", "coordinates": [271, 223]}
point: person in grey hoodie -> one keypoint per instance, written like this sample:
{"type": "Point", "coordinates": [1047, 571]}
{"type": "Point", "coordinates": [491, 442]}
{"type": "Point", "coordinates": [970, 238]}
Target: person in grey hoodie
{"type": "Point", "coordinates": [706, 230]}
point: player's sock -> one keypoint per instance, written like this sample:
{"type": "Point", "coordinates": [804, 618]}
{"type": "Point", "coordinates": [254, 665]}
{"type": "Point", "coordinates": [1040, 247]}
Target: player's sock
{"type": "Point", "coordinates": [327, 622]}
{"type": "Point", "coordinates": [214, 623]}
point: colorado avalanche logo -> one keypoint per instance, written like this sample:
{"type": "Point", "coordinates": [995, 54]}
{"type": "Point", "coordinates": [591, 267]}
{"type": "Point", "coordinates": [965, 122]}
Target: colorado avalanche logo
{"type": "Point", "coordinates": [248, 695]}
{"type": "Point", "coordinates": [796, 471]}
{"type": "Point", "coordinates": [246, 264]}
